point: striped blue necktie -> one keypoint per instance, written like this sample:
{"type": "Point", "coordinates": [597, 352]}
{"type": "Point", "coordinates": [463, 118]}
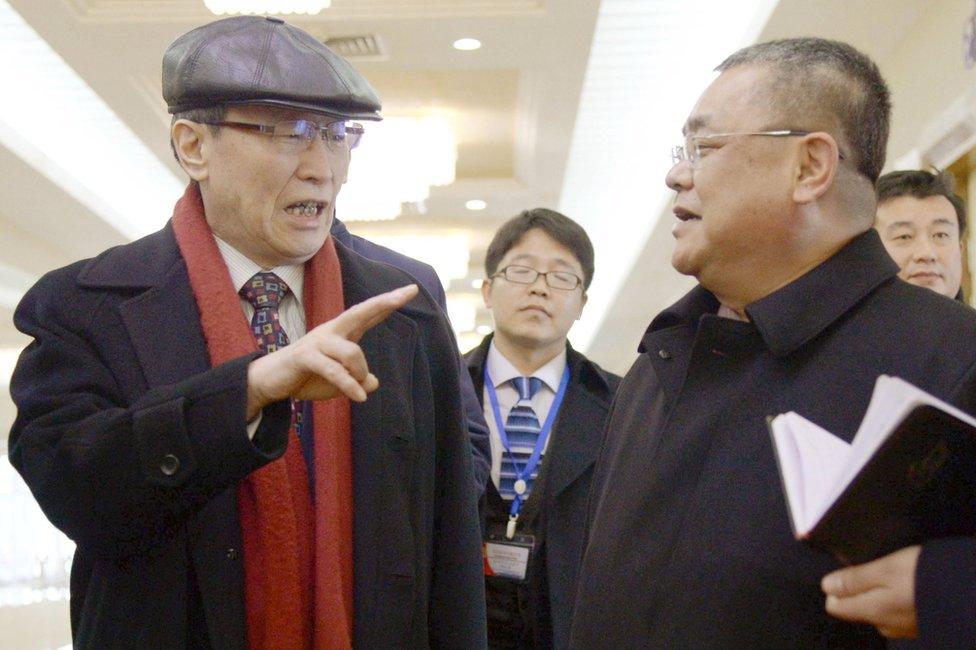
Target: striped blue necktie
{"type": "Point", "coordinates": [522, 429]}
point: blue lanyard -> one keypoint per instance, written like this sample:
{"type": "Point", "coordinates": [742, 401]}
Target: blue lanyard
{"type": "Point", "coordinates": [540, 443]}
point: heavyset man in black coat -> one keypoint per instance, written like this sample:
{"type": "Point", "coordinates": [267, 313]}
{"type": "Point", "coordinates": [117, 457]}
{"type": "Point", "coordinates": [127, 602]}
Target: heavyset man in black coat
{"type": "Point", "coordinates": [798, 308]}
{"type": "Point", "coordinates": [134, 445]}
{"type": "Point", "coordinates": [538, 267]}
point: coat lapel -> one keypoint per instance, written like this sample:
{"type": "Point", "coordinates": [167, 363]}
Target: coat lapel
{"type": "Point", "coordinates": [162, 319]}
{"type": "Point", "coordinates": [164, 327]}
{"type": "Point", "coordinates": [669, 338]}
{"type": "Point", "coordinates": [577, 437]}
{"type": "Point", "coordinates": [475, 361]}
{"type": "Point", "coordinates": [669, 353]}
{"type": "Point", "coordinates": [580, 423]}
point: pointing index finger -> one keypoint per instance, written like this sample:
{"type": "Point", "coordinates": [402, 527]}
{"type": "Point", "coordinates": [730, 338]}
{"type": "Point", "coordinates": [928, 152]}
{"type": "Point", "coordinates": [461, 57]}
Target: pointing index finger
{"type": "Point", "coordinates": [354, 322]}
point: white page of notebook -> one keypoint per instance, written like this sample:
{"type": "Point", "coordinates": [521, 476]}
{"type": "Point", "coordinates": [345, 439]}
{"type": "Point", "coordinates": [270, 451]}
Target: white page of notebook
{"type": "Point", "coordinates": [817, 465]}
{"type": "Point", "coordinates": [812, 460]}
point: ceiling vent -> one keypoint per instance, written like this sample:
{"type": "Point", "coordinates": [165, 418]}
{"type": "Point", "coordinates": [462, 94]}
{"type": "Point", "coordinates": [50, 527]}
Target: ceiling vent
{"type": "Point", "coordinates": [358, 48]}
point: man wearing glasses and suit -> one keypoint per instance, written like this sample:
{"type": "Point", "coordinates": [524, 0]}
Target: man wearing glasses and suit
{"type": "Point", "coordinates": [253, 434]}
{"type": "Point", "coordinates": [798, 308]}
{"type": "Point", "coordinates": [545, 404]}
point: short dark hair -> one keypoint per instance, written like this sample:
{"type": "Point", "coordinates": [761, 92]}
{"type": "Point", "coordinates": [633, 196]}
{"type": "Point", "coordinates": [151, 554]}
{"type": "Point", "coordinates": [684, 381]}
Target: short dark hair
{"type": "Point", "coordinates": [922, 184]}
{"type": "Point", "coordinates": [206, 116]}
{"type": "Point", "coordinates": [558, 226]}
{"type": "Point", "coordinates": [829, 81]}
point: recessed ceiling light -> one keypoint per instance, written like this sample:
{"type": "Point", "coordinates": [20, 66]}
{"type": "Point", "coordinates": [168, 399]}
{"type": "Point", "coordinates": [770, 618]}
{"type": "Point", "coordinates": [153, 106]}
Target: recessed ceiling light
{"type": "Point", "coordinates": [475, 204]}
{"type": "Point", "coordinates": [467, 44]}
{"type": "Point", "coordinates": [476, 283]}
{"type": "Point", "coordinates": [484, 330]}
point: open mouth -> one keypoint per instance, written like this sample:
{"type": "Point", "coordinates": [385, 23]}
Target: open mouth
{"type": "Point", "coordinates": [306, 209]}
{"type": "Point", "coordinates": [685, 215]}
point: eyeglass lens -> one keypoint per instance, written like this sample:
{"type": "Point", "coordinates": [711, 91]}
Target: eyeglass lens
{"type": "Point", "coordinates": [338, 136]}
{"type": "Point", "coordinates": [678, 154]}
{"type": "Point", "coordinates": [528, 275]}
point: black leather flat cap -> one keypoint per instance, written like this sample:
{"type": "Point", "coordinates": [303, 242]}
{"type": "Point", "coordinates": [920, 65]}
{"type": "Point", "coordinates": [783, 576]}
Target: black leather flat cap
{"type": "Point", "coordinates": [258, 60]}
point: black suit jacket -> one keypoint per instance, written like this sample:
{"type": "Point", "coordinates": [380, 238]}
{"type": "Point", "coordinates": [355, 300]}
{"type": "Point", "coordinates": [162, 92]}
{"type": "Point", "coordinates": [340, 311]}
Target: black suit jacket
{"type": "Point", "coordinates": [427, 277]}
{"type": "Point", "coordinates": [559, 513]}
{"type": "Point", "coordinates": [134, 447]}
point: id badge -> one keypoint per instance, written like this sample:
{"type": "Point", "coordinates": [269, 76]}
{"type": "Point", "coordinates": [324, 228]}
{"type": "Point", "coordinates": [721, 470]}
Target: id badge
{"type": "Point", "coordinates": [508, 558]}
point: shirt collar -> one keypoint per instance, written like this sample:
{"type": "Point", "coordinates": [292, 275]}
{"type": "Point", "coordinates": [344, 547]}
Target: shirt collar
{"type": "Point", "coordinates": [795, 314]}
{"type": "Point", "coordinates": [501, 370]}
{"type": "Point", "coordinates": [242, 269]}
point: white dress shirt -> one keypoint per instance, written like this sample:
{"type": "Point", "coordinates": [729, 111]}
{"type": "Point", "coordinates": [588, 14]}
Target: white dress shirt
{"type": "Point", "coordinates": [291, 311]}
{"type": "Point", "coordinates": [502, 371]}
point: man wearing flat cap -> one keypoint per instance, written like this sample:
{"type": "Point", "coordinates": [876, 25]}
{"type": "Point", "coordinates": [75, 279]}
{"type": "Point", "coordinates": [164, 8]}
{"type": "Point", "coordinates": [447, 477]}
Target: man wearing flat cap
{"type": "Point", "coordinates": [252, 433]}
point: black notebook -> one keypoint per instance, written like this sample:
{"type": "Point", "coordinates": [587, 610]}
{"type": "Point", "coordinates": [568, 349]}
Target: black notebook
{"type": "Point", "coordinates": [908, 475]}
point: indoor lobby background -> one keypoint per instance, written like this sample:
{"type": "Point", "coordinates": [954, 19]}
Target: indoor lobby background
{"type": "Point", "coordinates": [491, 107]}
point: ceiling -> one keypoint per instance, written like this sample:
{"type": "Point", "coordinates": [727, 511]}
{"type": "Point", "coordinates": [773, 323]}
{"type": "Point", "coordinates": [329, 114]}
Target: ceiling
{"type": "Point", "coordinates": [511, 105]}
{"type": "Point", "coordinates": [570, 104]}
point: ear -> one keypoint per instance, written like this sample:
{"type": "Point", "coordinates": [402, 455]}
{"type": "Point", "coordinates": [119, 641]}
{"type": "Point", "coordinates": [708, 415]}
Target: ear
{"type": "Point", "coordinates": [583, 299]}
{"type": "Point", "coordinates": [486, 292]}
{"type": "Point", "coordinates": [191, 142]}
{"type": "Point", "coordinates": [345, 169]}
{"type": "Point", "coordinates": [817, 162]}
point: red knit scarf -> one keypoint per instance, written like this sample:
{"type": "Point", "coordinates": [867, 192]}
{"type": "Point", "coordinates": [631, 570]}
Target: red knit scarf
{"type": "Point", "coordinates": [297, 558]}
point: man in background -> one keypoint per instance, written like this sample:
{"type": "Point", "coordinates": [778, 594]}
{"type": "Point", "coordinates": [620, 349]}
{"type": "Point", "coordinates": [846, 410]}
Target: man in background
{"type": "Point", "coordinates": [546, 405]}
{"type": "Point", "coordinates": [798, 308]}
{"type": "Point", "coordinates": [253, 434]}
{"type": "Point", "coordinates": [927, 591]}
{"type": "Point", "coordinates": [922, 224]}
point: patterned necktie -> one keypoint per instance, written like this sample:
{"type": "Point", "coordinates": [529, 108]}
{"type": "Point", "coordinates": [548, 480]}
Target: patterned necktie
{"type": "Point", "coordinates": [265, 291]}
{"type": "Point", "coordinates": [522, 429]}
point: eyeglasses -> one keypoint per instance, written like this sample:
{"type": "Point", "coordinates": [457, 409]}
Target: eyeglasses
{"type": "Point", "coordinates": [527, 275]}
{"type": "Point", "coordinates": [297, 135]}
{"type": "Point", "coordinates": [696, 144]}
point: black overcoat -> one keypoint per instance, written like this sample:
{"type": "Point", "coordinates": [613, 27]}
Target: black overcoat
{"type": "Point", "coordinates": [134, 447]}
{"type": "Point", "coordinates": [690, 544]}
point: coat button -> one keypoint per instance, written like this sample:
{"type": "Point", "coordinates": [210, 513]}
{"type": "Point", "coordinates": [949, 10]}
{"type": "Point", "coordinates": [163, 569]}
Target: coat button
{"type": "Point", "coordinates": [232, 554]}
{"type": "Point", "coordinates": [664, 354]}
{"type": "Point", "coordinates": [170, 464]}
